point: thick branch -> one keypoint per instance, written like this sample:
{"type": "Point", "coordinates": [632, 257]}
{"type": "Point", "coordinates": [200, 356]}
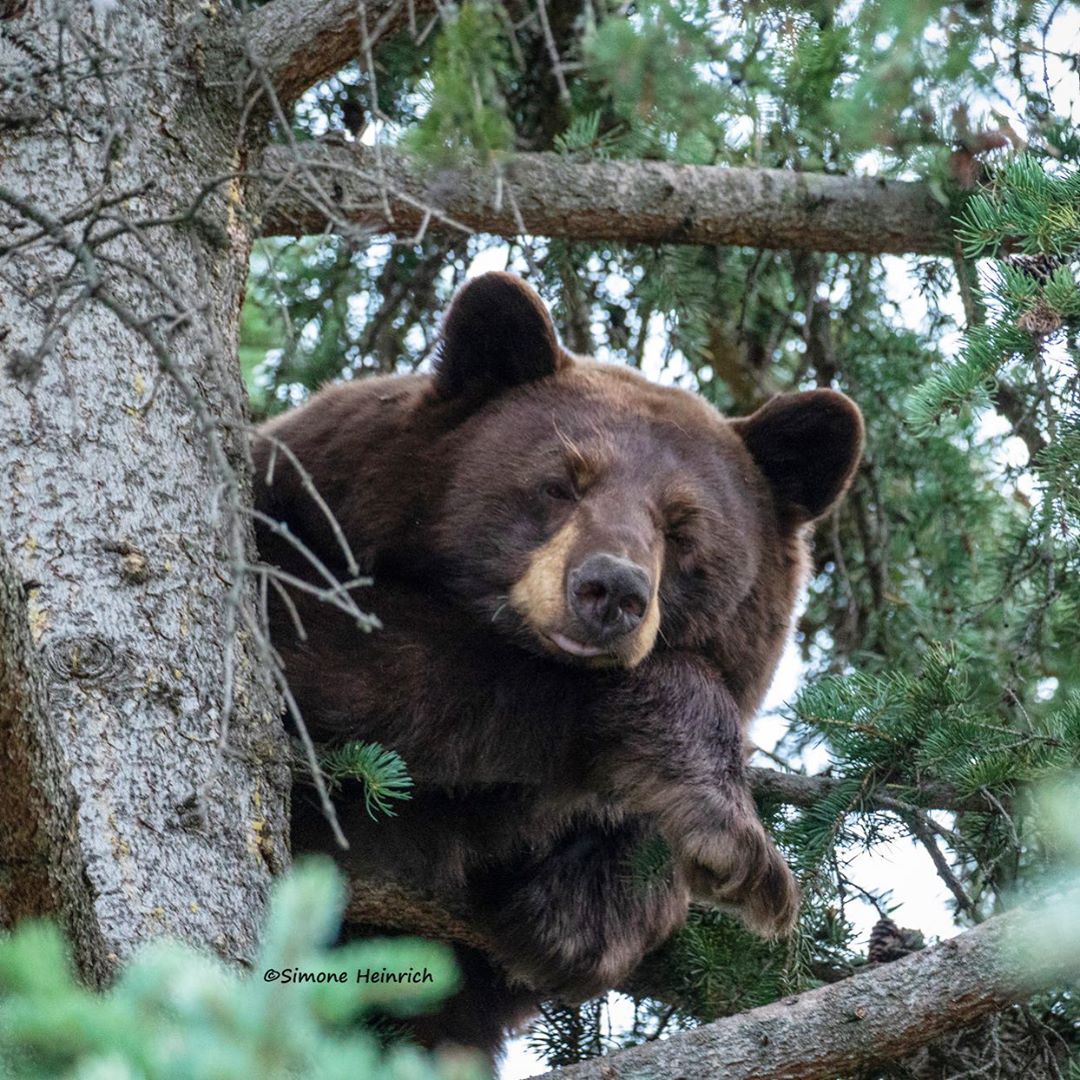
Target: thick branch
{"type": "Point", "coordinates": [879, 1014]}
{"type": "Point", "coordinates": [395, 908]}
{"type": "Point", "coordinates": [391, 907]}
{"type": "Point", "coordinates": [406, 910]}
{"type": "Point", "coordinates": [300, 42]}
{"type": "Point", "coordinates": [875, 1016]}
{"type": "Point", "coordinates": [635, 202]}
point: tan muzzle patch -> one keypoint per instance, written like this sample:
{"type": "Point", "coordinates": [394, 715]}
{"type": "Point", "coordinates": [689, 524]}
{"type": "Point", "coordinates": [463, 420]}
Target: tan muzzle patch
{"type": "Point", "coordinates": [539, 597]}
{"type": "Point", "coordinates": [642, 640]}
{"type": "Point", "coordinates": [539, 594]}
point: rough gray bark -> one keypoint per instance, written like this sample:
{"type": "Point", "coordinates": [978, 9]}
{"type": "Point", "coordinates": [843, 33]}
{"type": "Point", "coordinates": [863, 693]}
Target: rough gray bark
{"type": "Point", "coordinates": [40, 874]}
{"type": "Point", "coordinates": [875, 1016]}
{"type": "Point", "coordinates": [636, 202]}
{"type": "Point", "coordinates": [300, 43]}
{"type": "Point", "coordinates": [123, 475]}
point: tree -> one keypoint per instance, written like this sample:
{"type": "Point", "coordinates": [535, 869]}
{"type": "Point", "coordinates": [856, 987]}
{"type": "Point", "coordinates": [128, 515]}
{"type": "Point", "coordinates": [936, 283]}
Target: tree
{"type": "Point", "coordinates": [661, 170]}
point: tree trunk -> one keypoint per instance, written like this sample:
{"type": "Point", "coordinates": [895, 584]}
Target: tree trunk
{"type": "Point", "coordinates": [123, 477]}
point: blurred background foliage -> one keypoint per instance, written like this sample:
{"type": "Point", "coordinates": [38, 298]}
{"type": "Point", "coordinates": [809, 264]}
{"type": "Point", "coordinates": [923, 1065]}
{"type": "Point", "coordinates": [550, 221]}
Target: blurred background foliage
{"type": "Point", "coordinates": [941, 636]}
{"type": "Point", "coordinates": [176, 1014]}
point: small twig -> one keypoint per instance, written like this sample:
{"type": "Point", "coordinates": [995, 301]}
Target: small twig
{"type": "Point", "coordinates": [553, 52]}
{"type": "Point", "coordinates": [311, 756]}
{"type": "Point", "coordinates": [331, 596]}
{"type": "Point", "coordinates": [917, 823]}
{"type": "Point", "coordinates": [289, 603]}
{"type": "Point", "coordinates": [277, 446]}
{"type": "Point", "coordinates": [526, 244]}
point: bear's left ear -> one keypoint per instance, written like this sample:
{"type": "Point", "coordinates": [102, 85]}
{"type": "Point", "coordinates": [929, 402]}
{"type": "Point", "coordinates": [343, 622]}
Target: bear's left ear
{"type": "Point", "coordinates": [497, 334]}
{"type": "Point", "coordinates": [808, 446]}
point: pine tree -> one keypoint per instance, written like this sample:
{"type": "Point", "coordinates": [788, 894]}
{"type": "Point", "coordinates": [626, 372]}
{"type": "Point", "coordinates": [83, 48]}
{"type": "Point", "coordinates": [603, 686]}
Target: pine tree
{"type": "Point", "coordinates": [941, 634]}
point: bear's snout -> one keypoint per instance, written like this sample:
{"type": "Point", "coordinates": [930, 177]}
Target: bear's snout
{"type": "Point", "coordinates": [586, 605]}
{"type": "Point", "coordinates": [608, 596]}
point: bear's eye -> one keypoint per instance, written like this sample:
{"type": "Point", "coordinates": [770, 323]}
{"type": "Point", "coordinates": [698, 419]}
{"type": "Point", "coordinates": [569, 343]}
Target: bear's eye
{"type": "Point", "coordinates": [680, 541]}
{"type": "Point", "coordinates": [560, 491]}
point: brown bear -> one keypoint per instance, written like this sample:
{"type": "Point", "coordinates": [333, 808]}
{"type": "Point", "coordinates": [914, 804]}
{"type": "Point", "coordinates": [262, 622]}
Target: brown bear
{"type": "Point", "coordinates": [585, 582]}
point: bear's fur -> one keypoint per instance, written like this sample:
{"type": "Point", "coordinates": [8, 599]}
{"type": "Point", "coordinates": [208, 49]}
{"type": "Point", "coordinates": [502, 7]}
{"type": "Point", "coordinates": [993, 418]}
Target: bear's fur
{"type": "Point", "coordinates": [585, 583]}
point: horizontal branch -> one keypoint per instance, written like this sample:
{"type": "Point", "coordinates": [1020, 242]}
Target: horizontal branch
{"type": "Point", "coordinates": [878, 1014]}
{"type": "Point", "coordinates": [648, 202]}
{"type": "Point", "coordinates": [875, 1016]}
{"type": "Point", "coordinates": [393, 907]}
{"type": "Point", "coordinates": [300, 42]}
{"type": "Point", "coordinates": [794, 789]}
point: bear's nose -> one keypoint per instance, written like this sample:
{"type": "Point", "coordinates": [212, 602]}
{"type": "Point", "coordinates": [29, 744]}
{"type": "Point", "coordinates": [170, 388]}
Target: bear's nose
{"type": "Point", "coordinates": [608, 595]}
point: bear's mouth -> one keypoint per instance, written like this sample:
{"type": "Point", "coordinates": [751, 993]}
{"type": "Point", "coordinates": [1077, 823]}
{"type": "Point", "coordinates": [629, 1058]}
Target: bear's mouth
{"type": "Point", "coordinates": [576, 648]}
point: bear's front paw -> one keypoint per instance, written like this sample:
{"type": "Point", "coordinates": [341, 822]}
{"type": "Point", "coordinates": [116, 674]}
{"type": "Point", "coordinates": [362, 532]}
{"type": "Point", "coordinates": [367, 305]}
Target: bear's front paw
{"type": "Point", "coordinates": [739, 868]}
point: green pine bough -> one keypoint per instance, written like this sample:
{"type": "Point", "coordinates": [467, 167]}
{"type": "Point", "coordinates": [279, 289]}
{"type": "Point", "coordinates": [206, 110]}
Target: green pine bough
{"type": "Point", "coordinates": [1028, 219]}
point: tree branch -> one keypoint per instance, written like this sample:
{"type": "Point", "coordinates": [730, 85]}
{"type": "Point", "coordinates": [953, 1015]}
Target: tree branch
{"type": "Point", "coordinates": [634, 202]}
{"type": "Point", "coordinates": [875, 1016]}
{"type": "Point", "coordinates": [403, 909]}
{"type": "Point", "coordinates": [399, 908]}
{"type": "Point", "coordinates": [794, 789]}
{"type": "Point", "coordinates": [300, 42]}
{"type": "Point", "coordinates": [396, 908]}
{"type": "Point", "coordinates": [1009, 401]}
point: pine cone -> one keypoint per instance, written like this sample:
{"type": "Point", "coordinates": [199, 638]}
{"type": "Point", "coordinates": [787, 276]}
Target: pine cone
{"type": "Point", "coordinates": [890, 942]}
{"type": "Point", "coordinates": [1039, 267]}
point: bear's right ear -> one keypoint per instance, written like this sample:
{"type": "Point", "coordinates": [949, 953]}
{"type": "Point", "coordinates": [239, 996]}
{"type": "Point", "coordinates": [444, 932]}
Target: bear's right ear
{"type": "Point", "coordinates": [497, 334]}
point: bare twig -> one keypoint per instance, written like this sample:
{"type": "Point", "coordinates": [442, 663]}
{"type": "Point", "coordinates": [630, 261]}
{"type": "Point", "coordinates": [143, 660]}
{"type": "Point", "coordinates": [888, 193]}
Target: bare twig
{"type": "Point", "coordinates": [310, 490]}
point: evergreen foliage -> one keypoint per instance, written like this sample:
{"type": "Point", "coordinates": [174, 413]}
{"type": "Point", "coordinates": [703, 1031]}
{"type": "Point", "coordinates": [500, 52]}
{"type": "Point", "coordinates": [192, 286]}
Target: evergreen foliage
{"type": "Point", "coordinates": [1032, 294]}
{"type": "Point", "coordinates": [941, 636]}
{"type": "Point", "coordinates": [465, 115]}
{"type": "Point", "coordinates": [382, 773]}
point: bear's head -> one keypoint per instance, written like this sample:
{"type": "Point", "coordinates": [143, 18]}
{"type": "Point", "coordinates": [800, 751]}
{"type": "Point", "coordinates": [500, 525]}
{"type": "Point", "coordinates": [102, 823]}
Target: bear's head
{"type": "Point", "coordinates": [594, 516]}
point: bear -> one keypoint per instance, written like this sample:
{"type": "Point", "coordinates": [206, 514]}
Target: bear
{"type": "Point", "coordinates": [585, 582]}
